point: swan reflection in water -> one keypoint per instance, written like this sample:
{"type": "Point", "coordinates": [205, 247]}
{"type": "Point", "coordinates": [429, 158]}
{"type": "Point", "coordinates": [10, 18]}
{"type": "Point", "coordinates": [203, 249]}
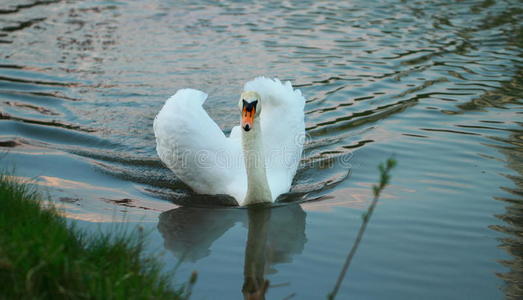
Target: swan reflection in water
{"type": "Point", "coordinates": [275, 235]}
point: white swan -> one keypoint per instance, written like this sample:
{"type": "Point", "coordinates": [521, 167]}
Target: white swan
{"type": "Point", "coordinates": [256, 163]}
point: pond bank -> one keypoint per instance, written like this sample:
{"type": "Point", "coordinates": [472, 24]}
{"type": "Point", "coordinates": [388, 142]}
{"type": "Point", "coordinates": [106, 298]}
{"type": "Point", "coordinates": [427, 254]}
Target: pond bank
{"type": "Point", "coordinates": [42, 257]}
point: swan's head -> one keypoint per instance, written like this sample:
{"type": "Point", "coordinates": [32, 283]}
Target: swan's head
{"type": "Point", "coordinates": [250, 107]}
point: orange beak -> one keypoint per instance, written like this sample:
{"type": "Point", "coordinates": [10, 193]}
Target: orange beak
{"type": "Point", "coordinates": [248, 113]}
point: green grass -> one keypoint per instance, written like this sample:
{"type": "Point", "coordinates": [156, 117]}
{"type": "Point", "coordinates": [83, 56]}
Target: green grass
{"type": "Point", "coordinates": [41, 257]}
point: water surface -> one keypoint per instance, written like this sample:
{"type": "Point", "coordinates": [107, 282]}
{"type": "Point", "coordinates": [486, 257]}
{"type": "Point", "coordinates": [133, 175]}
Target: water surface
{"type": "Point", "coordinates": [437, 84]}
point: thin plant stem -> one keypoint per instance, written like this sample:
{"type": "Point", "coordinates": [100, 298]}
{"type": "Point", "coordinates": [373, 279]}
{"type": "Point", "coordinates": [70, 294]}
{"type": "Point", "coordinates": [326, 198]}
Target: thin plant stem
{"type": "Point", "coordinates": [377, 189]}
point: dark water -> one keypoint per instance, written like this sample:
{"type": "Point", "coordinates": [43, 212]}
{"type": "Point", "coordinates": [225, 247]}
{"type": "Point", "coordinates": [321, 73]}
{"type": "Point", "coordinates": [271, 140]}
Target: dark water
{"type": "Point", "coordinates": [437, 84]}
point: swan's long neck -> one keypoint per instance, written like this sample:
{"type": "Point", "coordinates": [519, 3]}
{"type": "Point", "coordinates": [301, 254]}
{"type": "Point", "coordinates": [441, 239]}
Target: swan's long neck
{"type": "Point", "coordinates": [258, 190]}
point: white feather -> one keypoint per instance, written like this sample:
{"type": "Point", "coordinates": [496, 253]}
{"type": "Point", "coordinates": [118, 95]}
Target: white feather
{"type": "Point", "coordinates": [190, 143]}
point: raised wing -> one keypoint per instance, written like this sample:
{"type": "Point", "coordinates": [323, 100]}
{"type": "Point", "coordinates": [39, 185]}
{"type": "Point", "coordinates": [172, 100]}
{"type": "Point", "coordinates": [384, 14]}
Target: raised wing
{"type": "Point", "coordinates": [192, 145]}
{"type": "Point", "coordinates": [283, 127]}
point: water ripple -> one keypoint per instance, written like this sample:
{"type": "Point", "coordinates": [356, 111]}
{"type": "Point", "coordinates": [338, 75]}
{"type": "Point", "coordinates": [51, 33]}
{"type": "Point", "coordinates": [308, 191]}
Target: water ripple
{"type": "Point", "coordinates": [436, 83]}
